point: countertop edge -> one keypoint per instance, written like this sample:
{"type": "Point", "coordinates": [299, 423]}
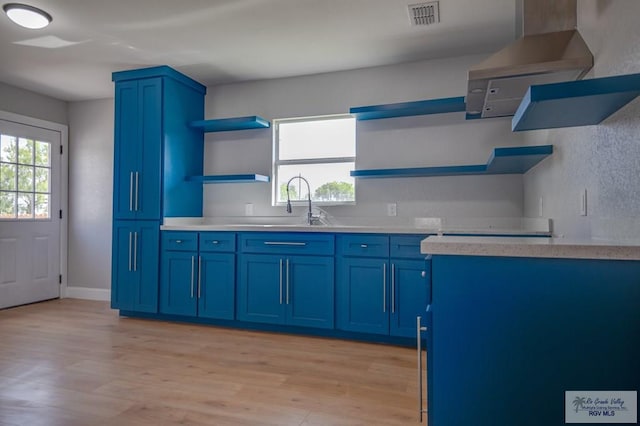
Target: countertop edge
{"type": "Point", "coordinates": [531, 247]}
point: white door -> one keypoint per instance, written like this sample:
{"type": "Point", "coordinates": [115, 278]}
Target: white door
{"type": "Point", "coordinates": [29, 214]}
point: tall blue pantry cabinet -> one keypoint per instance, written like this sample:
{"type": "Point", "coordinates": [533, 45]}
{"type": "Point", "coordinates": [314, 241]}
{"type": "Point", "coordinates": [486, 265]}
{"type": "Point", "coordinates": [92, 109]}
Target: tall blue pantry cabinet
{"type": "Point", "coordinates": [155, 151]}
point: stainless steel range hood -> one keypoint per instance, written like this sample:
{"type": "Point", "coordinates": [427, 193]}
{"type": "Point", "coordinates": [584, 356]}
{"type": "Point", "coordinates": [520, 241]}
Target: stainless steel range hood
{"type": "Point", "coordinates": [550, 50]}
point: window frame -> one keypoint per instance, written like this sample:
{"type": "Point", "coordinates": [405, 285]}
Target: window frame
{"type": "Point", "coordinates": [33, 192]}
{"type": "Point", "coordinates": [276, 162]}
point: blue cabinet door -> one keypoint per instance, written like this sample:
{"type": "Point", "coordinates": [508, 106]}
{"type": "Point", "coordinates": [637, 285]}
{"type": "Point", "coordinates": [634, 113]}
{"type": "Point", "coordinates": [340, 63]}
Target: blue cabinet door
{"type": "Point", "coordinates": [125, 149]}
{"type": "Point", "coordinates": [178, 284]}
{"type": "Point", "coordinates": [150, 148]}
{"type": "Point", "coordinates": [362, 295]}
{"type": "Point", "coordinates": [261, 288]}
{"type": "Point", "coordinates": [138, 148]}
{"type": "Point", "coordinates": [410, 295]}
{"type": "Point", "coordinates": [136, 246]}
{"type": "Point", "coordinates": [216, 285]}
{"type": "Point", "coordinates": [122, 276]}
{"type": "Point", "coordinates": [309, 290]}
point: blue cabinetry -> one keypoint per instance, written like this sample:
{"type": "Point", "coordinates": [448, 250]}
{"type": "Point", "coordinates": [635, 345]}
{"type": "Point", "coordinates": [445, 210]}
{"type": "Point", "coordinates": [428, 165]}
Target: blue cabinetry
{"type": "Point", "coordinates": [383, 284]}
{"type": "Point", "coordinates": [410, 284]}
{"type": "Point", "coordinates": [138, 137]}
{"type": "Point", "coordinates": [135, 253]}
{"type": "Point", "coordinates": [286, 278]}
{"type": "Point", "coordinates": [511, 335]}
{"type": "Point", "coordinates": [155, 150]}
{"type": "Point", "coordinates": [198, 274]}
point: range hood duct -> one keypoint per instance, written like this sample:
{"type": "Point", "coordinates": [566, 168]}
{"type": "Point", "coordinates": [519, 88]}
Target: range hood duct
{"type": "Point", "coordinates": [550, 50]}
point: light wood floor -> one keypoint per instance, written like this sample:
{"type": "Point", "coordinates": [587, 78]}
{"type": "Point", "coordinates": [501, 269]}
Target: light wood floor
{"type": "Point", "coordinates": [72, 362]}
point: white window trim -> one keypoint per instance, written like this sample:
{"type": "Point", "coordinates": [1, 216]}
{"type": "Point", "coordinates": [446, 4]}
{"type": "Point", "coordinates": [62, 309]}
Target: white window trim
{"type": "Point", "coordinates": [313, 160]}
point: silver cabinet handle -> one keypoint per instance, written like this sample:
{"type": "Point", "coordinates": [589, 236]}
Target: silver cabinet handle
{"type": "Point", "coordinates": [287, 281]}
{"type": "Point", "coordinates": [137, 189]}
{"type": "Point", "coordinates": [384, 287]}
{"type": "Point", "coordinates": [193, 259]}
{"type": "Point", "coordinates": [135, 251]}
{"type": "Point", "coordinates": [178, 241]}
{"type": "Point", "coordinates": [393, 288]}
{"type": "Point", "coordinates": [419, 330]}
{"type": "Point", "coordinates": [199, 274]}
{"type": "Point", "coordinates": [281, 281]}
{"type": "Point", "coordinates": [131, 191]}
{"type": "Point", "coordinates": [423, 274]}
{"type": "Point", "coordinates": [284, 243]}
{"type": "Point", "coordinates": [215, 242]}
{"type": "Point", "coordinates": [130, 237]}
{"type": "Point", "coordinates": [364, 245]}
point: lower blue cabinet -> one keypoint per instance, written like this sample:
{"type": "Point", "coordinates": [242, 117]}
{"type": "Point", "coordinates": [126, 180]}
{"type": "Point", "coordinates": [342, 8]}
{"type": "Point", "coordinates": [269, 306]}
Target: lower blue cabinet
{"type": "Point", "coordinates": [362, 295]}
{"type": "Point", "coordinates": [135, 266]}
{"type": "Point", "coordinates": [381, 295]}
{"type": "Point", "coordinates": [282, 289]}
{"type": "Point", "coordinates": [410, 294]}
{"type": "Point", "coordinates": [196, 282]}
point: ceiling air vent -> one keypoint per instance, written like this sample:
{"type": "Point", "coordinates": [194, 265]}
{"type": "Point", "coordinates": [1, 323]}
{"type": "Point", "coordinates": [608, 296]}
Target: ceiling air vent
{"type": "Point", "coordinates": [424, 13]}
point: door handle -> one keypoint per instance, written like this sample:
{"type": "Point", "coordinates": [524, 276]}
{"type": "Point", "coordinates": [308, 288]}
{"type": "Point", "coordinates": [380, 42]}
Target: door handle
{"type": "Point", "coordinates": [130, 238]}
{"type": "Point", "coordinates": [135, 251]}
{"type": "Point", "coordinates": [287, 281]}
{"type": "Point", "coordinates": [384, 287]}
{"type": "Point", "coordinates": [393, 288]}
{"type": "Point", "coordinates": [137, 188]}
{"type": "Point", "coordinates": [284, 243]}
{"type": "Point", "coordinates": [419, 330]}
{"type": "Point", "coordinates": [199, 274]}
{"type": "Point", "coordinates": [131, 191]}
{"type": "Point", "coordinates": [281, 281]}
{"type": "Point", "coordinates": [193, 259]}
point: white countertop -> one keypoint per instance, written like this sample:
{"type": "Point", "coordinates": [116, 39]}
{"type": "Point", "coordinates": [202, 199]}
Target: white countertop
{"type": "Point", "coordinates": [418, 226]}
{"type": "Point", "coordinates": [531, 247]}
{"type": "Point", "coordinates": [240, 227]}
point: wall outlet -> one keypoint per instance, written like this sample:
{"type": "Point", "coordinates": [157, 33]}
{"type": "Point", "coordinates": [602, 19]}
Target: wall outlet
{"type": "Point", "coordinates": [248, 209]}
{"type": "Point", "coordinates": [583, 202]}
{"type": "Point", "coordinates": [540, 207]}
{"type": "Point", "coordinates": [392, 209]}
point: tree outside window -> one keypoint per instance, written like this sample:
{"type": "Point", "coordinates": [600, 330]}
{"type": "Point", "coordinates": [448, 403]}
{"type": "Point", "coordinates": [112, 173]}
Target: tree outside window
{"type": "Point", "coordinates": [25, 174]}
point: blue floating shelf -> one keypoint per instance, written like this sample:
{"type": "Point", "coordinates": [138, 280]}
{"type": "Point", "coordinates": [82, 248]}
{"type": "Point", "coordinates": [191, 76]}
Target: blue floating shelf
{"type": "Point", "coordinates": [574, 103]}
{"type": "Point", "coordinates": [248, 178]}
{"type": "Point", "coordinates": [405, 109]}
{"type": "Point", "coordinates": [229, 124]}
{"type": "Point", "coordinates": [515, 160]}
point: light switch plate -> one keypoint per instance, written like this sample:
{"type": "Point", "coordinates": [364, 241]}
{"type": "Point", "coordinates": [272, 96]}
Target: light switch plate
{"type": "Point", "coordinates": [392, 209]}
{"type": "Point", "coordinates": [248, 209]}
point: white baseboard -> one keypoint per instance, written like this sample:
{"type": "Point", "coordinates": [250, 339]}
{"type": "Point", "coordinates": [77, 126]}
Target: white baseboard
{"type": "Point", "coordinates": [88, 293]}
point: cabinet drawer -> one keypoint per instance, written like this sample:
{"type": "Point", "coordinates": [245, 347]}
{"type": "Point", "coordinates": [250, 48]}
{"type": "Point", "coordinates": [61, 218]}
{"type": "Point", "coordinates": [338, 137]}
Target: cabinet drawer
{"type": "Point", "coordinates": [179, 241]}
{"type": "Point", "coordinates": [407, 246]}
{"type": "Point", "coordinates": [363, 245]}
{"type": "Point", "coordinates": [217, 241]}
{"type": "Point", "coordinates": [286, 243]}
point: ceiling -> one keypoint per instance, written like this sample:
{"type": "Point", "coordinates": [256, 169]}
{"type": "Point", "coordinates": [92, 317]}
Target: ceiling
{"type": "Point", "coordinates": [222, 41]}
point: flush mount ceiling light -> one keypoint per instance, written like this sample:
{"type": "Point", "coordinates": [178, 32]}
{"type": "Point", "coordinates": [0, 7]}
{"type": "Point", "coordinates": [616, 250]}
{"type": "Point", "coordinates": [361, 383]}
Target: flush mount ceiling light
{"type": "Point", "coordinates": [27, 16]}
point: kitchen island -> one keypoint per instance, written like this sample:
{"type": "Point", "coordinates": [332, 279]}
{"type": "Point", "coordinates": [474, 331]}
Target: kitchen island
{"type": "Point", "coordinates": [515, 323]}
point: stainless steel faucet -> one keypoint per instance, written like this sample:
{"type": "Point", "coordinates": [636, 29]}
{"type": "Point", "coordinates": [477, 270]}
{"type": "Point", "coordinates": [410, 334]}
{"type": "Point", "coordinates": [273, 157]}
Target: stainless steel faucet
{"type": "Point", "coordinates": [311, 219]}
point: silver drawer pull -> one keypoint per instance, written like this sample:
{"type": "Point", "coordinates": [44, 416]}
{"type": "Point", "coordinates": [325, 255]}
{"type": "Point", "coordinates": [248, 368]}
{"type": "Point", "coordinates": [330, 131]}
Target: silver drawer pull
{"type": "Point", "coordinates": [364, 245]}
{"type": "Point", "coordinates": [284, 243]}
{"type": "Point", "coordinates": [178, 241]}
{"type": "Point", "coordinates": [214, 242]}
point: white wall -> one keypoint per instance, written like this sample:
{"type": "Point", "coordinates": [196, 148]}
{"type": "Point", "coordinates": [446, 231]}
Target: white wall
{"type": "Point", "coordinates": [31, 104]}
{"type": "Point", "coordinates": [90, 194]}
{"type": "Point", "coordinates": [603, 159]}
{"type": "Point", "coordinates": [401, 142]}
